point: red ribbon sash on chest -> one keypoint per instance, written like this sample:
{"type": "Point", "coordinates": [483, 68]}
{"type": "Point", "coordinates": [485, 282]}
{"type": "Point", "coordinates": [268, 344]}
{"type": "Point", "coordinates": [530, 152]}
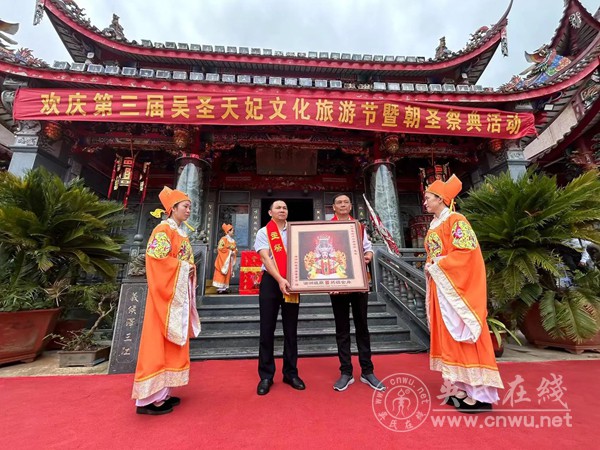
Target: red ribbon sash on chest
{"type": "Point", "coordinates": [277, 247]}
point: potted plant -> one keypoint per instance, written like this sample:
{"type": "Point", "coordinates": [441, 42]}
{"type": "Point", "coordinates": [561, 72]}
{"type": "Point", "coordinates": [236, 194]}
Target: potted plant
{"type": "Point", "coordinates": [51, 234]}
{"type": "Point", "coordinates": [81, 348]}
{"type": "Point", "coordinates": [499, 331]}
{"type": "Point", "coordinates": [567, 316]}
{"type": "Point", "coordinates": [521, 226]}
{"type": "Point", "coordinates": [27, 313]}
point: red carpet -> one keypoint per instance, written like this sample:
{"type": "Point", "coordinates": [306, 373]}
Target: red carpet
{"type": "Point", "coordinates": [220, 409]}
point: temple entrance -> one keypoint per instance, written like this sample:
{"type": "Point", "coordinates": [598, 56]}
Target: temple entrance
{"type": "Point", "coordinates": [299, 209]}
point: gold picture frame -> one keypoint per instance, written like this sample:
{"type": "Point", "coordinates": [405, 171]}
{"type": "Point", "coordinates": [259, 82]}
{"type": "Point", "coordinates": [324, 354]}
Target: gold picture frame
{"type": "Point", "coordinates": [326, 256]}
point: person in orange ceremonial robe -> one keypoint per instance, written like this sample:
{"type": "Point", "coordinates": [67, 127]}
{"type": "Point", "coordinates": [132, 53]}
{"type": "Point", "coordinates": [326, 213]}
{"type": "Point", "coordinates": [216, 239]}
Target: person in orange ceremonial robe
{"type": "Point", "coordinates": [461, 346]}
{"type": "Point", "coordinates": [226, 256]}
{"type": "Point", "coordinates": [170, 317]}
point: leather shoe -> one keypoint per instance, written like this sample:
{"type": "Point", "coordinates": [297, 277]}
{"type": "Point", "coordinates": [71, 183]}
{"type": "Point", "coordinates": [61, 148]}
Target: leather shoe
{"type": "Point", "coordinates": [478, 407]}
{"type": "Point", "coordinates": [264, 386]}
{"type": "Point", "coordinates": [295, 382]}
{"type": "Point", "coordinates": [173, 401]}
{"type": "Point", "coordinates": [154, 410]}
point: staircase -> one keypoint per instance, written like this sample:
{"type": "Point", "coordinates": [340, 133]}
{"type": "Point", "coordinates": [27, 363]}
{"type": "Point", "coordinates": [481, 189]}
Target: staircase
{"type": "Point", "coordinates": [230, 328]}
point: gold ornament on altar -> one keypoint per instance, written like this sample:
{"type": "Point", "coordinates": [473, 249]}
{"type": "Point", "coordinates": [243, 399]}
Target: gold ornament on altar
{"type": "Point", "coordinates": [391, 143]}
{"type": "Point", "coordinates": [53, 131]}
{"type": "Point", "coordinates": [181, 137]}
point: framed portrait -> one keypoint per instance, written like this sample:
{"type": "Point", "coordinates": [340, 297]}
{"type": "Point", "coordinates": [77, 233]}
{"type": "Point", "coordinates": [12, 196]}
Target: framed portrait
{"type": "Point", "coordinates": [326, 256]}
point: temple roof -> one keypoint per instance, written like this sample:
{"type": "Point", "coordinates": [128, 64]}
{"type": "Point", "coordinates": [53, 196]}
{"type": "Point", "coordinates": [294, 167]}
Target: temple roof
{"type": "Point", "coordinates": [576, 30]}
{"type": "Point", "coordinates": [80, 37]}
{"type": "Point", "coordinates": [556, 90]}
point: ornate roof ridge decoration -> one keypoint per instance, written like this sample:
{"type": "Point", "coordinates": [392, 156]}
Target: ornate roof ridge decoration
{"type": "Point", "coordinates": [10, 28]}
{"type": "Point", "coordinates": [74, 12]}
{"type": "Point", "coordinates": [114, 33]}
{"type": "Point", "coordinates": [23, 56]}
{"type": "Point", "coordinates": [550, 68]}
{"type": "Point", "coordinates": [578, 17]}
{"type": "Point", "coordinates": [482, 35]}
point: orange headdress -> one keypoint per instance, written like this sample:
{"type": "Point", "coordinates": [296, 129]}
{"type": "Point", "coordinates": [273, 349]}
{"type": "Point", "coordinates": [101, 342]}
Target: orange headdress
{"type": "Point", "coordinates": [226, 227]}
{"type": "Point", "coordinates": [446, 190]}
{"type": "Point", "coordinates": [170, 197]}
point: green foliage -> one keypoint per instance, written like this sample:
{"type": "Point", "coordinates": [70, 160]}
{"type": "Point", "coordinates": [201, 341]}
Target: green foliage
{"type": "Point", "coordinates": [51, 234]}
{"type": "Point", "coordinates": [520, 225]}
{"type": "Point", "coordinates": [573, 313]}
{"type": "Point", "coordinates": [498, 328]}
{"type": "Point", "coordinates": [100, 298]}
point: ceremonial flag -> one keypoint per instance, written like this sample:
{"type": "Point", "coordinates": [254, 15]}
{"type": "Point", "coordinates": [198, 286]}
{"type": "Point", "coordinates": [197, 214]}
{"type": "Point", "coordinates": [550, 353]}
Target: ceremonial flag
{"type": "Point", "coordinates": [382, 230]}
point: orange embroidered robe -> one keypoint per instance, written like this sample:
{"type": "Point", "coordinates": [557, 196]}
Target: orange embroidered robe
{"type": "Point", "coordinates": [226, 252]}
{"type": "Point", "coordinates": [171, 316]}
{"type": "Point", "coordinates": [461, 346]}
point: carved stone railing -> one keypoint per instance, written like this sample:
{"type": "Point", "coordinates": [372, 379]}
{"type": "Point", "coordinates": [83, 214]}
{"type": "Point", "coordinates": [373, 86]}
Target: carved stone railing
{"type": "Point", "coordinates": [401, 280]}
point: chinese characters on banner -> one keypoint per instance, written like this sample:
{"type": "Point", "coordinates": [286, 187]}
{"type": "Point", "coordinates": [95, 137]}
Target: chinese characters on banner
{"type": "Point", "coordinates": [249, 107]}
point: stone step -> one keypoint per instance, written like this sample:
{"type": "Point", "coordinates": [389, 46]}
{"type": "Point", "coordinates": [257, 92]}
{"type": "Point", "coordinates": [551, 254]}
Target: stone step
{"type": "Point", "coordinates": [203, 353]}
{"type": "Point", "coordinates": [206, 311]}
{"type": "Point", "coordinates": [312, 336]}
{"type": "Point", "coordinates": [231, 324]}
{"type": "Point", "coordinates": [252, 322]}
{"type": "Point", "coordinates": [228, 299]}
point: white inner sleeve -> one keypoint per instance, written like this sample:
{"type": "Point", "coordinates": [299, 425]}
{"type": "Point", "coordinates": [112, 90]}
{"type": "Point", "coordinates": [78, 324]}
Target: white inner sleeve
{"type": "Point", "coordinates": [455, 325]}
{"type": "Point", "coordinates": [196, 327]}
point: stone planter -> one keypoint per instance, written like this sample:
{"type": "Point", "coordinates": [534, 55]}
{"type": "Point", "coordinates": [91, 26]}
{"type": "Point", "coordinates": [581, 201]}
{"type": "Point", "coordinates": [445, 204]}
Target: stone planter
{"type": "Point", "coordinates": [23, 334]}
{"type": "Point", "coordinates": [85, 358]}
{"type": "Point", "coordinates": [535, 334]}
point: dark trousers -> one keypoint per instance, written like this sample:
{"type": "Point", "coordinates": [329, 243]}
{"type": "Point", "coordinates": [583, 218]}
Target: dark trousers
{"type": "Point", "coordinates": [270, 299]}
{"type": "Point", "coordinates": [341, 312]}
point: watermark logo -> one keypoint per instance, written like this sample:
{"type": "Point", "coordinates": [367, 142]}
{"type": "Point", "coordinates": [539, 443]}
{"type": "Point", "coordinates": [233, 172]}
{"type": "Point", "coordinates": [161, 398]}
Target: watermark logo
{"type": "Point", "coordinates": [405, 405]}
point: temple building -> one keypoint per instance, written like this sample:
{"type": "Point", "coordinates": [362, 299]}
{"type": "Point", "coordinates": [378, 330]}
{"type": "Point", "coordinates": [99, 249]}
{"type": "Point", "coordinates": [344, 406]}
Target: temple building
{"type": "Point", "coordinates": [238, 127]}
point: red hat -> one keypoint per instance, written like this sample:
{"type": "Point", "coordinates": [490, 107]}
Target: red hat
{"type": "Point", "coordinates": [170, 197]}
{"type": "Point", "coordinates": [226, 227]}
{"type": "Point", "coordinates": [446, 190]}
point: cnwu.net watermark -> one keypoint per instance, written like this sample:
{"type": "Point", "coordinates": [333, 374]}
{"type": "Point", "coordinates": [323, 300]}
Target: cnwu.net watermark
{"type": "Point", "coordinates": [407, 404]}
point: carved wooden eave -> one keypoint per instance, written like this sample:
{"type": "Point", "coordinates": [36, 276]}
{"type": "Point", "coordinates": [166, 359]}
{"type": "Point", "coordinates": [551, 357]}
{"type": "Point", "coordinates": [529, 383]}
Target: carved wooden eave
{"type": "Point", "coordinates": [80, 37]}
{"type": "Point", "coordinates": [561, 133]}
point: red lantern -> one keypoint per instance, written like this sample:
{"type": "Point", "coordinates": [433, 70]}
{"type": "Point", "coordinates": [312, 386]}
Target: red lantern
{"type": "Point", "coordinates": [391, 143]}
{"type": "Point", "coordinates": [53, 131]}
{"type": "Point", "coordinates": [123, 176]}
{"type": "Point", "coordinates": [495, 146]}
{"type": "Point", "coordinates": [181, 137]}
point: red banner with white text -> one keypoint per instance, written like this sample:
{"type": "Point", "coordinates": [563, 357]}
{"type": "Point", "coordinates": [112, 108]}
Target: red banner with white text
{"type": "Point", "coordinates": [351, 110]}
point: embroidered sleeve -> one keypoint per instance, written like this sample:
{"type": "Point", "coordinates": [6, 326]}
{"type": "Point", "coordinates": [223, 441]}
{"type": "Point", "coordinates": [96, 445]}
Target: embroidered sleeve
{"type": "Point", "coordinates": [221, 244]}
{"type": "Point", "coordinates": [185, 252]}
{"type": "Point", "coordinates": [433, 245]}
{"type": "Point", "coordinates": [160, 246]}
{"type": "Point", "coordinates": [463, 236]}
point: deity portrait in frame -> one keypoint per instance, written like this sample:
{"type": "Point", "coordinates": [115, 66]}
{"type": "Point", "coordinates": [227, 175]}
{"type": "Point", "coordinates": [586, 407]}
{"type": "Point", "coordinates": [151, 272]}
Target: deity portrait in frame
{"type": "Point", "coordinates": [326, 256]}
